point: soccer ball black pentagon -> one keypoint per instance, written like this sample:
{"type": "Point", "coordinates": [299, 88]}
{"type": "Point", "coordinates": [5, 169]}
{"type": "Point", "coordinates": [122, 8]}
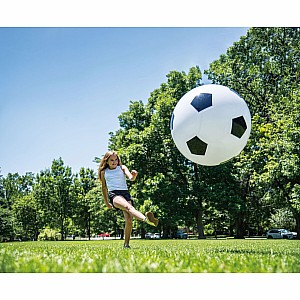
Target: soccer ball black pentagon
{"type": "Point", "coordinates": [210, 124]}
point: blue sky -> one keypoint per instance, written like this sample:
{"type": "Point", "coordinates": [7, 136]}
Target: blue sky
{"type": "Point", "coordinates": [62, 89]}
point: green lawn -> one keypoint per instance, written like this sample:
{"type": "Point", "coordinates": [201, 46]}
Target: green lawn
{"type": "Point", "coordinates": [163, 256]}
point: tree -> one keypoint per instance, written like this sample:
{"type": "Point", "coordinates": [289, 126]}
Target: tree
{"type": "Point", "coordinates": [6, 226]}
{"type": "Point", "coordinates": [82, 206]}
{"type": "Point", "coordinates": [12, 188]}
{"type": "Point", "coordinates": [263, 67]}
{"type": "Point", "coordinates": [103, 219]}
{"type": "Point", "coordinates": [43, 194]}
{"type": "Point", "coordinates": [25, 215]}
{"type": "Point", "coordinates": [53, 195]}
{"type": "Point", "coordinates": [282, 169]}
{"type": "Point", "coordinates": [262, 64]}
{"type": "Point", "coordinates": [167, 180]}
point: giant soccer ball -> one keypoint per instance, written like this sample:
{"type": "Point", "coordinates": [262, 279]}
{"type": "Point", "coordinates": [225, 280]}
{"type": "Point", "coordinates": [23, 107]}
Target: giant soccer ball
{"type": "Point", "coordinates": [210, 124]}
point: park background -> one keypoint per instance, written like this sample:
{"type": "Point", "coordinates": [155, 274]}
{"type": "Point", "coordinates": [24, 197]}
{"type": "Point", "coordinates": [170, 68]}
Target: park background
{"type": "Point", "coordinates": [244, 197]}
{"type": "Point", "coordinates": [225, 14]}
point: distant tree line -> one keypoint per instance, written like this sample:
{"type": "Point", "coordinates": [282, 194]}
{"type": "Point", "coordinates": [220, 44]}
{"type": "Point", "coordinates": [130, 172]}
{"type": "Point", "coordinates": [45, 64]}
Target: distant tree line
{"type": "Point", "coordinates": [258, 189]}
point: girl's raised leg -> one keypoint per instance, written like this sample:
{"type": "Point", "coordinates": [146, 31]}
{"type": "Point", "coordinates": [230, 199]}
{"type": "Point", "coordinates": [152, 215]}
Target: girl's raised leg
{"type": "Point", "coordinates": [121, 203]}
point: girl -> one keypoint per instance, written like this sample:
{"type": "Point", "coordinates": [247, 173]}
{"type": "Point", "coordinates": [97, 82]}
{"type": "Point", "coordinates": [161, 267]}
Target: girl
{"type": "Point", "coordinates": [112, 174]}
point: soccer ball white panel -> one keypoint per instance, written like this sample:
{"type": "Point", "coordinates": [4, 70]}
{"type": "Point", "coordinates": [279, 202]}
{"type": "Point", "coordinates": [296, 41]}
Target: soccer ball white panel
{"type": "Point", "coordinates": [210, 124]}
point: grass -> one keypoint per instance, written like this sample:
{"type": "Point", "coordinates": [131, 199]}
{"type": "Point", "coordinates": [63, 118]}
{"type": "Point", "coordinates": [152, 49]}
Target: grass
{"type": "Point", "coordinates": [148, 256]}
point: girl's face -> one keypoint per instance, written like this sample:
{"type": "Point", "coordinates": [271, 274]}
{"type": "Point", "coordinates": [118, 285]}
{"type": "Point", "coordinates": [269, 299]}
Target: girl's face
{"type": "Point", "coordinates": [113, 161]}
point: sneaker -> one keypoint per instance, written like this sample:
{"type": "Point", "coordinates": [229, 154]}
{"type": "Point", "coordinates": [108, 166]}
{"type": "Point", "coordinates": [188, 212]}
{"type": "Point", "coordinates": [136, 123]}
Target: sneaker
{"type": "Point", "coordinates": [150, 219]}
{"type": "Point", "coordinates": [126, 246]}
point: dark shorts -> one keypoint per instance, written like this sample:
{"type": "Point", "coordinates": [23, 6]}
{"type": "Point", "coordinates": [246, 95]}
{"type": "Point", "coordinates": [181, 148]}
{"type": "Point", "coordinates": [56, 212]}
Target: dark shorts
{"type": "Point", "coordinates": [124, 193]}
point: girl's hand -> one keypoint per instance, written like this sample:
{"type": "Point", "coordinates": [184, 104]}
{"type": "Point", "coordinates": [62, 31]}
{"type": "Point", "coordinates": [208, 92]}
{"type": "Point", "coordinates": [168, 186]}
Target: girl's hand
{"type": "Point", "coordinates": [134, 174]}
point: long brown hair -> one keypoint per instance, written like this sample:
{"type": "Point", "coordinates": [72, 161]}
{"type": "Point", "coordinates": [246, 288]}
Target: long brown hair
{"type": "Point", "coordinates": [104, 162]}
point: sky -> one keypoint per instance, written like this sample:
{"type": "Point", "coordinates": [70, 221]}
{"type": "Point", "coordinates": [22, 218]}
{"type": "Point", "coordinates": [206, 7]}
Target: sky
{"type": "Point", "coordinates": [62, 89]}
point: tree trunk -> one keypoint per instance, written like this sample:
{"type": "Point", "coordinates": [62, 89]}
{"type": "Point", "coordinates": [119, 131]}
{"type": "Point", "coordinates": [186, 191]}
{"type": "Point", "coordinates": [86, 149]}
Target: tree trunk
{"type": "Point", "coordinates": [199, 220]}
{"type": "Point", "coordinates": [62, 229]}
{"type": "Point", "coordinates": [143, 232]}
{"type": "Point", "coordinates": [231, 226]}
{"type": "Point", "coordinates": [298, 226]}
{"type": "Point", "coordinates": [240, 227]}
{"type": "Point", "coordinates": [89, 226]}
{"type": "Point", "coordinates": [199, 211]}
{"type": "Point", "coordinates": [166, 231]}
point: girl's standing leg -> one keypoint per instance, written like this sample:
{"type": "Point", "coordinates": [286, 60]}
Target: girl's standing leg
{"type": "Point", "coordinates": [128, 227]}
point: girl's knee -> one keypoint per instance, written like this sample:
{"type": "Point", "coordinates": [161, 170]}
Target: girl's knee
{"type": "Point", "coordinates": [129, 207]}
{"type": "Point", "coordinates": [128, 218]}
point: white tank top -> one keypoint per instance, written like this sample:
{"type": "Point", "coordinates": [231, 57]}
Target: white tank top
{"type": "Point", "coordinates": [115, 179]}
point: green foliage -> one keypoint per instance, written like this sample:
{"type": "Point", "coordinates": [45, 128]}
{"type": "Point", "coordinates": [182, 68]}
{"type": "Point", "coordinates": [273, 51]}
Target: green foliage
{"type": "Point", "coordinates": [6, 225]}
{"type": "Point", "coordinates": [282, 218]}
{"type": "Point", "coordinates": [49, 234]}
{"type": "Point", "coordinates": [260, 65]}
{"type": "Point", "coordinates": [13, 186]}
{"type": "Point", "coordinates": [144, 142]}
{"type": "Point", "coordinates": [82, 203]}
{"type": "Point", "coordinates": [102, 219]}
{"type": "Point", "coordinates": [263, 67]}
{"type": "Point", "coordinates": [146, 256]}
{"type": "Point", "coordinates": [53, 195]}
{"type": "Point", "coordinates": [25, 214]}
{"type": "Point", "coordinates": [56, 198]}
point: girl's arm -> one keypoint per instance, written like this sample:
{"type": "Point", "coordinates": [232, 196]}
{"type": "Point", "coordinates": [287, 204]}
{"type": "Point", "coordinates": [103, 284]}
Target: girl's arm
{"type": "Point", "coordinates": [131, 175]}
{"type": "Point", "coordinates": [104, 190]}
